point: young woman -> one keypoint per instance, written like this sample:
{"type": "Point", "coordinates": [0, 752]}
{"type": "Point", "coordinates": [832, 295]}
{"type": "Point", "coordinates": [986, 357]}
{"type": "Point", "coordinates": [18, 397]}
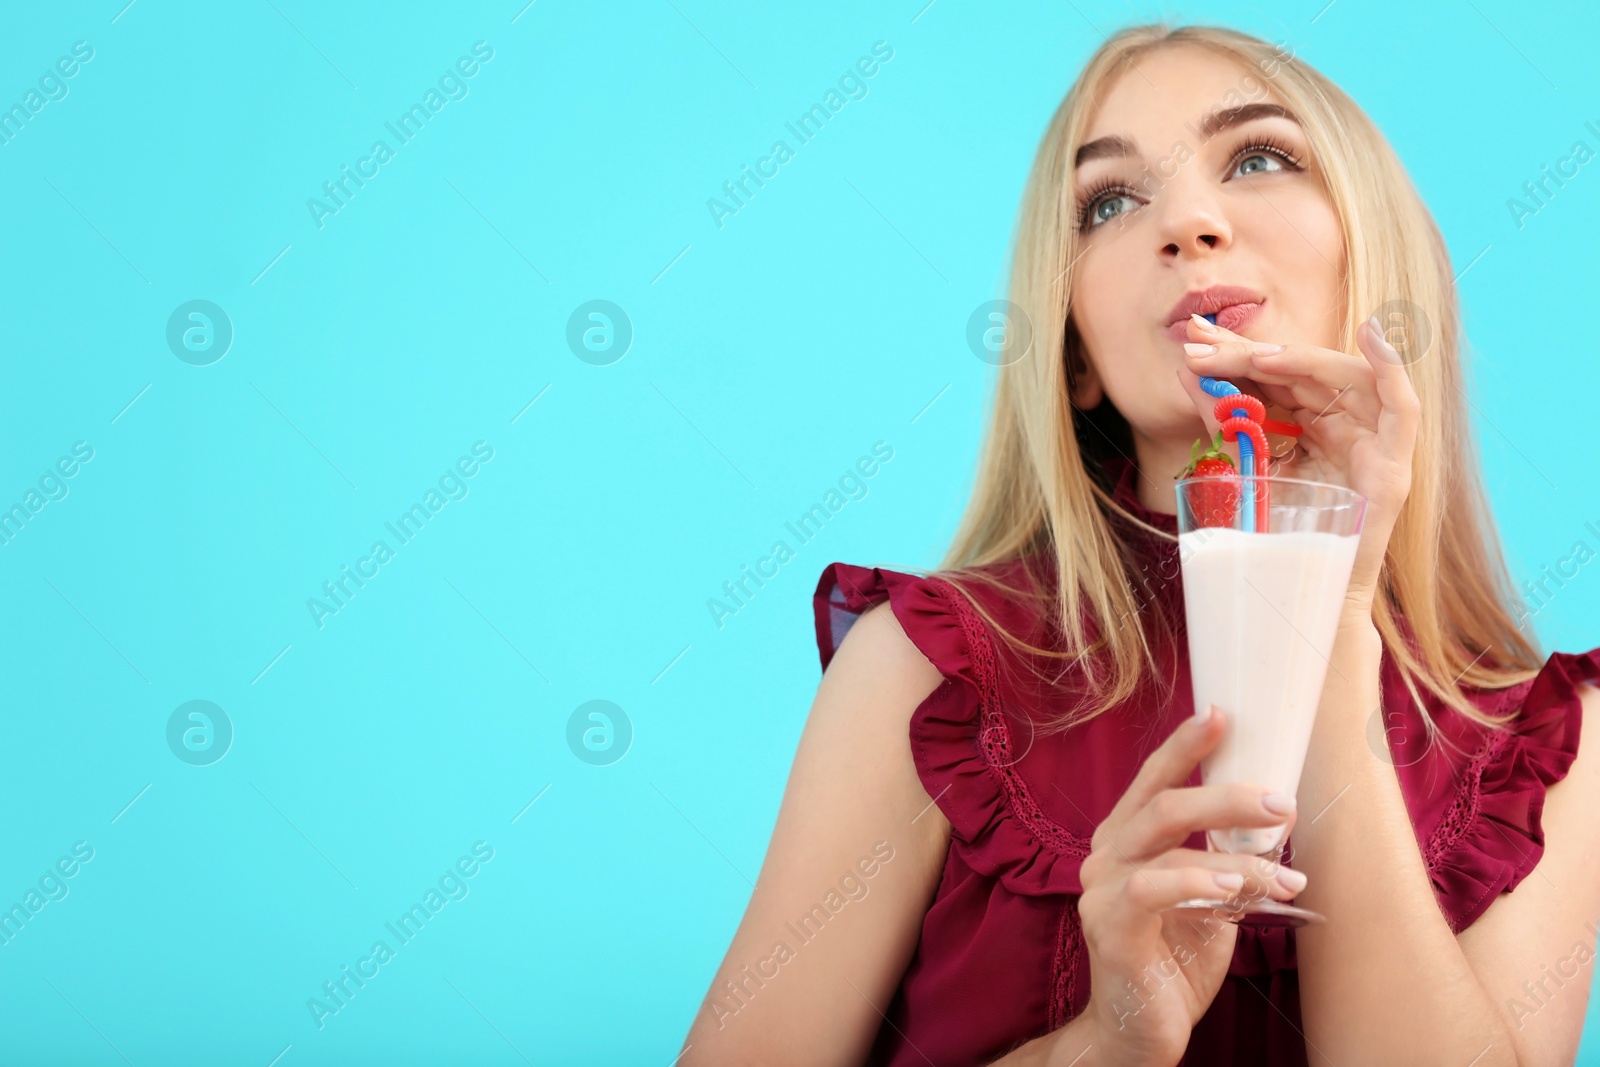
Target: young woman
{"type": "Point", "coordinates": [997, 792]}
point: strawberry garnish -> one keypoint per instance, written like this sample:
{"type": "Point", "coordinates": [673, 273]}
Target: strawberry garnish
{"type": "Point", "coordinates": [1213, 505]}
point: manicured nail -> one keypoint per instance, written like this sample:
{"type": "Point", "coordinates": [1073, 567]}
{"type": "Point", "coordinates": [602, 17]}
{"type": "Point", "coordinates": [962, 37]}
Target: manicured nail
{"type": "Point", "coordinates": [1206, 326]}
{"type": "Point", "coordinates": [1291, 879]}
{"type": "Point", "coordinates": [1262, 348]}
{"type": "Point", "coordinates": [1278, 803]}
{"type": "Point", "coordinates": [1230, 880]}
{"type": "Point", "coordinates": [1199, 350]}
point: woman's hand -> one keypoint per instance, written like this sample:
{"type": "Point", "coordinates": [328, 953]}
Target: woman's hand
{"type": "Point", "coordinates": [1359, 413]}
{"type": "Point", "coordinates": [1153, 973]}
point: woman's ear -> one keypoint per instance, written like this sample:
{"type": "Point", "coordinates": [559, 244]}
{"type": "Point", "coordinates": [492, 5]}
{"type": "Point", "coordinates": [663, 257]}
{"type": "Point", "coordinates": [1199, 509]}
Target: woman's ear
{"type": "Point", "coordinates": [1083, 381]}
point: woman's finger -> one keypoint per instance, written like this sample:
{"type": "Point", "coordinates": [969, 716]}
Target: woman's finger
{"type": "Point", "coordinates": [1173, 815]}
{"type": "Point", "coordinates": [1254, 372]}
{"type": "Point", "coordinates": [1315, 375]}
{"type": "Point", "coordinates": [1261, 873]}
{"type": "Point", "coordinates": [1155, 889]}
{"type": "Point", "coordinates": [1306, 374]}
{"type": "Point", "coordinates": [1401, 410]}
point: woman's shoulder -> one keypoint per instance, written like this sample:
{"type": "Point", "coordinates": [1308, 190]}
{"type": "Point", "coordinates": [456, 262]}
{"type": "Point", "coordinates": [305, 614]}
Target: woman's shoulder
{"type": "Point", "coordinates": [962, 735]}
{"type": "Point", "coordinates": [876, 631]}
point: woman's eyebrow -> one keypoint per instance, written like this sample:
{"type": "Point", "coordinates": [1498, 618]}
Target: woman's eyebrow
{"type": "Point", "coordinates": [1214, 123]}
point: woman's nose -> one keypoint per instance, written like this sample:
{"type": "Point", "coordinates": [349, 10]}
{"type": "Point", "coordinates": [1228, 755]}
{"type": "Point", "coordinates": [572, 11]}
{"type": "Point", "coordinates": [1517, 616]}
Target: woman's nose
{"type": "Point", "coordinates": [1191, 220]}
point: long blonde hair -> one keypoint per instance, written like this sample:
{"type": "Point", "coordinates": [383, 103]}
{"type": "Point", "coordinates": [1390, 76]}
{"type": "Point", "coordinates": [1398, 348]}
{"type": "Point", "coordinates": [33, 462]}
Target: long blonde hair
{"type": "Point", "coordinates": [1035, 497]}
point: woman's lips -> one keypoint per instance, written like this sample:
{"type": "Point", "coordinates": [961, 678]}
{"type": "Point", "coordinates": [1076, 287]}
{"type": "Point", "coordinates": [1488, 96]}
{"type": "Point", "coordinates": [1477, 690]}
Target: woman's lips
{"type": "Point", "coordinates": [1233, 318]}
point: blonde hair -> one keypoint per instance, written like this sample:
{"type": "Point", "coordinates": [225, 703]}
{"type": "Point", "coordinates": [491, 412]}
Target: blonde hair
{"type": "Point", "coordinates": [1036, 495]}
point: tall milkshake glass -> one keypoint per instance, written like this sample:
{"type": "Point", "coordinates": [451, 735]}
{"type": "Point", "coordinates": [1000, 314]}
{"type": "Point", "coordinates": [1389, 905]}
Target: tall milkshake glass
{"type": "Point", "coordinates": [1262, 604]}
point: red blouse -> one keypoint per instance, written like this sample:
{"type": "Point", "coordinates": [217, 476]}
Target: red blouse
{"type": "Point", "coordinates": [1001, 957]}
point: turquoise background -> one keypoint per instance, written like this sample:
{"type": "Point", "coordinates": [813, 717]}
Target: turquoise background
{"type": "Point", "coordinates": [430, 313]}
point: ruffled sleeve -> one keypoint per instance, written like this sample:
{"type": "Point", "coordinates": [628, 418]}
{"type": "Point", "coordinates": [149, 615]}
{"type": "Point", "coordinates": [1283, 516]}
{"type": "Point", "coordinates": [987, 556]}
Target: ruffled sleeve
{"type": "Point", "coordinates": [961, 740]}
{"type": "Point", "coordinates": [1491, 837]}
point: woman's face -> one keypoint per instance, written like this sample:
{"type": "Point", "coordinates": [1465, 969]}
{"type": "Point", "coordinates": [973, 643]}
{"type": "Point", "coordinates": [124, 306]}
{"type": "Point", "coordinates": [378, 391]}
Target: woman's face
{"type": "Point", "coordinates": [1186, 207]}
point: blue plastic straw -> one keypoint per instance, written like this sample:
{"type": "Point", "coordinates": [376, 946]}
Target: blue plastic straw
{"type": "Point", "coordinates": [1217, 388]}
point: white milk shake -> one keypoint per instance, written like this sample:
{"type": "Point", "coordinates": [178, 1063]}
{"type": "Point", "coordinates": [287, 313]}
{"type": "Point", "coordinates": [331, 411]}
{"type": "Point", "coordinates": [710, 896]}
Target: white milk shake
{"type": "Point", "coordinates": [1262, 610]}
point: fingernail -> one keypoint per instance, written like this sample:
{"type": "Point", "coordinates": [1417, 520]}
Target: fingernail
{"type": "Point", "coordinates": [1230, 879]}
{"type": "Point", "coordinates": [1202, 716]}
{"type": "Point", "coordinates": [1382, 335]}
{"type": "Point", "coordinates": [1199, 350]}
{"type": "Point", "coordinates": [1262, 348]}
{"type": "Point", "coordinates": [1278, 803]}
{"type": "Point", "coordinates": [1205, 324]}
{"type": "Point", "coordinates": [1291, 879]}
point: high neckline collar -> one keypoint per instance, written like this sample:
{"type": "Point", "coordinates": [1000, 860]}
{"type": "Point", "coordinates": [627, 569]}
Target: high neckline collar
{"type": "Point", "coordinates": [1125, 491]}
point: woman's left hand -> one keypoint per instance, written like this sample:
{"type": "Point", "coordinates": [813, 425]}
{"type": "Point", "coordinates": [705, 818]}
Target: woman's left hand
{"type": "Point", "coordinates": [1359, 413]}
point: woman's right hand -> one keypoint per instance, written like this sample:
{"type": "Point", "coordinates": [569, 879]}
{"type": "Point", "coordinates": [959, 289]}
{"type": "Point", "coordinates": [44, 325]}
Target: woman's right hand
{"type": "Point", "coordinates": [1153, 973]}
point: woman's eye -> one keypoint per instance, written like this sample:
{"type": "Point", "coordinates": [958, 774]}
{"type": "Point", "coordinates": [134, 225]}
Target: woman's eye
{"type": "Point", "coordinates": [1098, 211]}
{"type": "Point", "coordinates": [1264, 162]}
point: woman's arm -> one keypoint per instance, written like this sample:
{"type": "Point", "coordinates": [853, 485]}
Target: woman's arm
{"type": "Point", "coordinates": [1386, 981]}
{"type": "Point", "coordinates": [856, 833]}
{"type": "Point", "coordinates": [1534, 948]}
{"type": "Point", "coordinates": [1383, 981]}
